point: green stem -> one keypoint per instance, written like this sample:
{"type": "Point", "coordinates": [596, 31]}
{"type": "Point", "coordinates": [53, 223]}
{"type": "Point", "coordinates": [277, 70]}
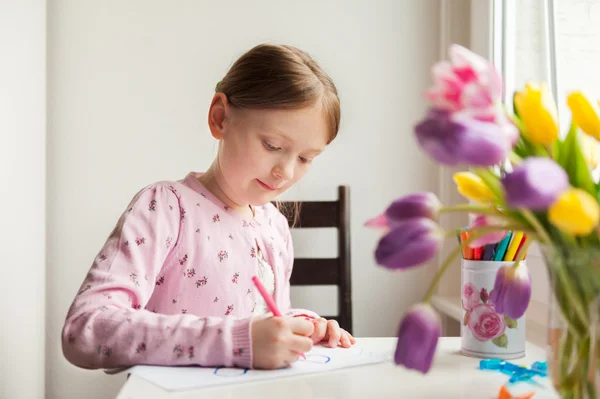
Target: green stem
{"type": "Point", "coordinates": [571, 298]}
{"type": "Point", "coordinates": [537, 226]}
{"type": "Point", "coordinates": [521, 253]}
{"type": "Point", "coordinates": [472, 209]}
{"type": "Point", "coordinates": [569, 318]}
{"type": "Point", "coordinates": [549, 149]}
{"type": "Point", "coordinates": [514, 227]}
{"type": "Point", "coordinates": [450, 233]}
{"type": "Point", "coordinates": [515, 120]}
{"type": "Point", "coordinates": [577, 378]}
{"type": "Point", "coordinates": [483, 210]}
{"type": "Point", "coordinates": [591, 390]}
{"type": "Point", "coordinates": [492, 182]}
{"type": "Point", "coordinates": [440, 273]}
{"type": "Point", "coordinates": [565, 352]}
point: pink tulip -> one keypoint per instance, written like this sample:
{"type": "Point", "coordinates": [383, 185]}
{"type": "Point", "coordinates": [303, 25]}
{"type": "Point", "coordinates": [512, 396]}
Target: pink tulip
{"type": "Point", "coordinates": [468, 81]}
{"type": "Point", "coordinates": [469, 84]}
{"type": "Point", "coordinates": [489, 238]}
{"type": "Point", "coordinates": [378, 222]}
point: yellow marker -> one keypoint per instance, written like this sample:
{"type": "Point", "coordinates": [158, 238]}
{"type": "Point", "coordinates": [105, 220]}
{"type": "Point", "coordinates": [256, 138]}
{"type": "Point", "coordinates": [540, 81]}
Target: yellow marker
{"type": "Point", "coordinates": [513, 246]}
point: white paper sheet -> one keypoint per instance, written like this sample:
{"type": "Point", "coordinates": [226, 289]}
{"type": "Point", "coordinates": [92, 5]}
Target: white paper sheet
{"type": "Point", "coordinates": [319, 360]}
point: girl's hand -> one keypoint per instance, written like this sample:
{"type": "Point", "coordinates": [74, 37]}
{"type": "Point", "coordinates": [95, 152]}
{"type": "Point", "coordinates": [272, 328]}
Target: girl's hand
{"type": "Point", "coordinates": [278, 341]}
{"type": "Point", "coordinates": [330, 331]}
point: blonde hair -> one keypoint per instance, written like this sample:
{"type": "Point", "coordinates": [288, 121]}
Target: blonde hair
{"type": "Point", "coordinates": [272, 76]}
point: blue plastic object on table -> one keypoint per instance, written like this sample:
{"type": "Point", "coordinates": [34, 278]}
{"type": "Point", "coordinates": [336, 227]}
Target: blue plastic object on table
{"type": "Point", "coordinates": [517, 373]}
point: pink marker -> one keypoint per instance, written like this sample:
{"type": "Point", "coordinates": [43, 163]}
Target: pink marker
{"type": "Point", "coordinates": [268, 300]}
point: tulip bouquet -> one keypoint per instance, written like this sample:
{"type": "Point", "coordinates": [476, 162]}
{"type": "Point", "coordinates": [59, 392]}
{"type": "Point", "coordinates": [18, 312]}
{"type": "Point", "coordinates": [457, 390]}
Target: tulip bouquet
{"type": "Point", "coordinates": [522, 175]}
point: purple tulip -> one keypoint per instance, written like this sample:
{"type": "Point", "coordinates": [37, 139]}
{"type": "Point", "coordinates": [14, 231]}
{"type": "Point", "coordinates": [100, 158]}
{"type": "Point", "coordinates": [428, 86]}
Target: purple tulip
{"type": "Point", "coordinates": [417, 338]}
{"type": "Point", "coordinates": [424, 204]}
{"type": "Point", "coordinates": [415, 205]}
{"type": "Point", "coordinates": [460, 139]}
{"type": "Point", "coordinates": [535, 184]}
{"type": "Point", "coordinates": [416, 241]}
{"type": "Point", "coordinates": [512, 291]}
{"type": "Point", "coordinates": [489, 238]}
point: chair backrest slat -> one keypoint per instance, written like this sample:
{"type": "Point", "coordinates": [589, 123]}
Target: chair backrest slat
{"type": "Point", "coordinates": [315, 271]}
{"type": "Point", "coordinates": [318, 214]}
{"type": "Point", "coordinates": [328, 271]}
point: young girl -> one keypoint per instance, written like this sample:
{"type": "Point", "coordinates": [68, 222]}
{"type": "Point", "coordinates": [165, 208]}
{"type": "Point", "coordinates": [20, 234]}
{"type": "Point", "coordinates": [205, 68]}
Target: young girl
{"type": "Point", "coordinates": [172, 285]}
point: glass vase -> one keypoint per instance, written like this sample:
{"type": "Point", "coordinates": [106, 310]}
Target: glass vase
{"type": "Point", "coordinates": [573, 336]}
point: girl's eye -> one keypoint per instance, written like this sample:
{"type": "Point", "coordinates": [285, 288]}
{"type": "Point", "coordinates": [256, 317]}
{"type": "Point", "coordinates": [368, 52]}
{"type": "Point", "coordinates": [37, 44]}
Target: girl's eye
{"type": "Point", "coordinates": [270, 147]}
{"type": "Point", "coordinates": [304, 160]}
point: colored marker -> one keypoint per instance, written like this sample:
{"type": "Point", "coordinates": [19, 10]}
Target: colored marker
{"type": "Point", "coordinates": [488, 251]}
{"type": "Point", "coordinates": [467, 251]}
{"type": "Point", "coordinates": [523, 241]}
{"type": "Point", "coordinates": [268, 300]}
{"type": "Point", "coordinates": [477, 253]}
{"type": "Point", "coordinates": [501, 249]}
{"type": "Point", "coordinates": [514, 244]}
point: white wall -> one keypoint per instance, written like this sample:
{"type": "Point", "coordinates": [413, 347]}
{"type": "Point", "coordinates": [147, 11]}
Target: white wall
{"type": "Point", "coordinates": [128, 88]}
{"type": "Point", "coordinates": [455, 22]}
{"type": "Point", "coordinates": [22, 199]}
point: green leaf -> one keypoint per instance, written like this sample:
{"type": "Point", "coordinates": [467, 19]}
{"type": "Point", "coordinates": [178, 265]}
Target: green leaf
{"type": "Point", "coordinates": [501, 341]}
{"type": "Point", "coordinates": [515, 110]}
{"type": "Point", "coordinates": [556, 149]}
{"type": "Point", "coordinates": [573, 162]}
{"type": "Point", "coordinates": [525, 148]}
{"type": "Point", "coordinates": [491, 181]}
{"type": "Point", "coordinates": [565, 147]}
{"type": "Point", "coordinates": [466, 318]}
{"type": "Point", "coordinates": [522, 148]}
{"type": "Point", "coordinates": [510, 323]}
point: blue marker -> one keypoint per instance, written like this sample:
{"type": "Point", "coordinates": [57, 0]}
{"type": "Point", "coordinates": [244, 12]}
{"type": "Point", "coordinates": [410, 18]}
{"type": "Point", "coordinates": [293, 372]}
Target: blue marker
{"type": "Point", "coordinates": [502, 246]}
{"type": "Point", "coordinates": [488, 252]}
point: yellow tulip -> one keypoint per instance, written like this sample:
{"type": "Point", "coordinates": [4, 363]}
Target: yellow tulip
{"type": "Point", "coordinates": [586, 114]}
{"type": "Point", "coordinates": [575, 212]}
{"type": "Point", "coordinates": [470, 186]}
{"type": "Point", "coordinates": [590, 149]}
{"type": "Point", "coordinates": [537, 111]}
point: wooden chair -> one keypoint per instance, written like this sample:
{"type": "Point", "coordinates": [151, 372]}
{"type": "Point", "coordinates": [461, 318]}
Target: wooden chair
{"type": "Point", "coordinates": [327, 271]}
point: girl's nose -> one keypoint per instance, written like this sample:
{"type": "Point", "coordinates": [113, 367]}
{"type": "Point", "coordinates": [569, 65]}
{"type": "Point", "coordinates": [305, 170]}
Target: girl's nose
{"type": "Point", "coordinates": [284, 171]}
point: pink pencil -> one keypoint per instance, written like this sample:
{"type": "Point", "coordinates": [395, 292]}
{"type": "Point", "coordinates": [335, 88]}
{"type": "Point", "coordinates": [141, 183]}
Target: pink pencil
{"type": "Point", "coordinates": [268, 300]}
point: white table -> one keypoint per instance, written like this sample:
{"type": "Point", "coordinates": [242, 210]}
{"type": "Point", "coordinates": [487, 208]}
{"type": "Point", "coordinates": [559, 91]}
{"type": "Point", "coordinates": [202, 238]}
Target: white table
{"type": "Point", "coordinates": [452, 376]}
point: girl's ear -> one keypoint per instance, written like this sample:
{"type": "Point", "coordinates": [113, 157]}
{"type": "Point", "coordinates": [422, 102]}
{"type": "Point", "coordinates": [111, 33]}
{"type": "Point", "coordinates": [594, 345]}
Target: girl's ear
{"type": "Point", "coordinates": [217, 114]}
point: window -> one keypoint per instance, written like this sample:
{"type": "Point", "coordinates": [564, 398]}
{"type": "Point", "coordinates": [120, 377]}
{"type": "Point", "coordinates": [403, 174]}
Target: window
{"type": "Point", "coordinates": [533, 40]}
{"type": "Point", "coordinates": [554, 42]}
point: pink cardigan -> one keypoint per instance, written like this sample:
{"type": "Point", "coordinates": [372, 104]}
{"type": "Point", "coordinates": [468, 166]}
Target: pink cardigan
{"type": "Point", "coordinates": [172, 285]}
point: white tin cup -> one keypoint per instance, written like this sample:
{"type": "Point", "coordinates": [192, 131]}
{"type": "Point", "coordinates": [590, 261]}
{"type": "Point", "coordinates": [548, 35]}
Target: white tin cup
{"type": "Point", "coordinates": [484, 332]}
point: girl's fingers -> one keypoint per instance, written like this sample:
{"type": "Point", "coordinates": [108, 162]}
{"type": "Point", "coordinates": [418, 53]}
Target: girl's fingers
{"type": "Point", "coordinates": [335, 332]}
{"type": "Point", "coordinates": [320, 330]}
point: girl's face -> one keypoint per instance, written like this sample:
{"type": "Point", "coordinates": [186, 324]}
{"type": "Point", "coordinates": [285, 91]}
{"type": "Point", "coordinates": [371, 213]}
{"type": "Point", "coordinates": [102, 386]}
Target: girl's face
{"type": "Point", "coordinates": [264, 152]}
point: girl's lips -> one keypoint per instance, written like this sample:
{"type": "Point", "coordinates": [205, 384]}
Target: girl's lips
{"type": "Point", "coordinates": [265, 186]}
